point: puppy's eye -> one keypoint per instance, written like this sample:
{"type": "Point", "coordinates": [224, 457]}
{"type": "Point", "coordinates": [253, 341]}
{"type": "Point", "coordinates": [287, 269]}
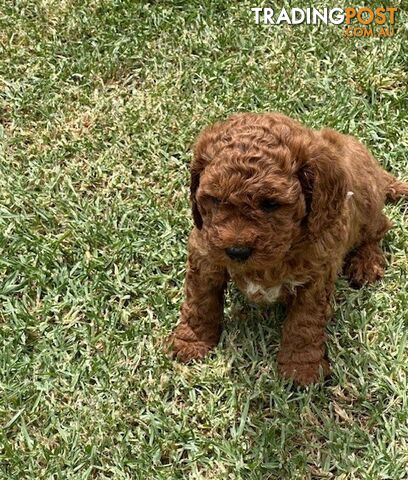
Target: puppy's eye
{"type": "Point", "coordinates": [214, 200]}
{"type": "Point", "coordinates": [268, 205]}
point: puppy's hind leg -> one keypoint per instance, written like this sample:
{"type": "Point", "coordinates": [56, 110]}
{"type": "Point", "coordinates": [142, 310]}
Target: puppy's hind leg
{"type": "Point", "coordinates": [366, 263]}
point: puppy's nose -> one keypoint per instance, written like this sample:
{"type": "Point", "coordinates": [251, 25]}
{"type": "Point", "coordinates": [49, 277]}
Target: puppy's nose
{"type": "Point", "coordinates": [240, 254]}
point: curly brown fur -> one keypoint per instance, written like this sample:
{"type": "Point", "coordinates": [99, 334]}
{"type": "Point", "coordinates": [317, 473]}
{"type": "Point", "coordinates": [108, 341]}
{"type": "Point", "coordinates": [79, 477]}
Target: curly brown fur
{"type": "Point", "coordinates": [297, 203]}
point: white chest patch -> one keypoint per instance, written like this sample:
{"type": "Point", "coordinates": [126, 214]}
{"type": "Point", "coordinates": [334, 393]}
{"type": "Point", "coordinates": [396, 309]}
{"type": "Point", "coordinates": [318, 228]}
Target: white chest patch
{"type": "Point", "coordinates": [256, 291]}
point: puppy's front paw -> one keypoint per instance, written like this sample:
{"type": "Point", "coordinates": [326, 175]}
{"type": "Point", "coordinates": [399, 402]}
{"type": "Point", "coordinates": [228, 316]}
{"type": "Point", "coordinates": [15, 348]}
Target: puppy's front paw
{"type": "Point", "coordinates": [187, 350]}
{"type": "Point", "coordinates": [305, 373]}
{"type": "Point", "coordinates": [185, 345]}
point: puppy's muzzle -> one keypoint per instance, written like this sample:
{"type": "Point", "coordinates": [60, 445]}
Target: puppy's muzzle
{"type": "Point", "coordinates": [239, 254]}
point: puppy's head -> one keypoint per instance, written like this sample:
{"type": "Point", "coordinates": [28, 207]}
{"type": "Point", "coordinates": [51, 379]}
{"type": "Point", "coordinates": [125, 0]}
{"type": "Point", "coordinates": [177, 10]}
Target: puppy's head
{"type": "Point", "coordinates": [260, 185]}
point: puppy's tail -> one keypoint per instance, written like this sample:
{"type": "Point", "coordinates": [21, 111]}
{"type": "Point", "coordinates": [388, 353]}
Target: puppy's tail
{"type": "Point", "coordinates": [395, 189]}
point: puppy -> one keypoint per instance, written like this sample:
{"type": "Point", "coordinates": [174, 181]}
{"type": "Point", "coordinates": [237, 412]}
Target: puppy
{"type": "Point", "coordinates": [278, 209]}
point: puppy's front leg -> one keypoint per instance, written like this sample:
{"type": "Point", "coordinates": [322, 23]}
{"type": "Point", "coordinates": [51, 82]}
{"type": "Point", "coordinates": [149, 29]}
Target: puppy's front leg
{"type": "Point", "coordinates": [302, 353]}
{"type": "Point", "coordinates": [202, 311]}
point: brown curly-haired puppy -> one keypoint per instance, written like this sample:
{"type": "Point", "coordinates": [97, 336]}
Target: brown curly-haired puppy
{"type": "Point", "coordinates": [278, 208]}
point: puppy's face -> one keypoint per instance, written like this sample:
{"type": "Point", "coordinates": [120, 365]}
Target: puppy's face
{"type": "Point", "coordinates": [260, 186]}
{"type": "Point", "coordinates": [251, 211]}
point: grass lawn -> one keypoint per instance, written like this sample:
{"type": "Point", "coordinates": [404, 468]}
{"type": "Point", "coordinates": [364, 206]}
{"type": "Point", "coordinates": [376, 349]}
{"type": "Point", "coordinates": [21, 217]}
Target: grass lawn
{"type": "Point", "coordinates": [101, 102]}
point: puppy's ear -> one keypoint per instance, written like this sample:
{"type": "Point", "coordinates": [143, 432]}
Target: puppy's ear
{"type": "Point", "coordinates": [325, 184]}
{"type": "Point", "coordinates": [203, 154]}
{"type": "Point", "coordinates": [194, 183]}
